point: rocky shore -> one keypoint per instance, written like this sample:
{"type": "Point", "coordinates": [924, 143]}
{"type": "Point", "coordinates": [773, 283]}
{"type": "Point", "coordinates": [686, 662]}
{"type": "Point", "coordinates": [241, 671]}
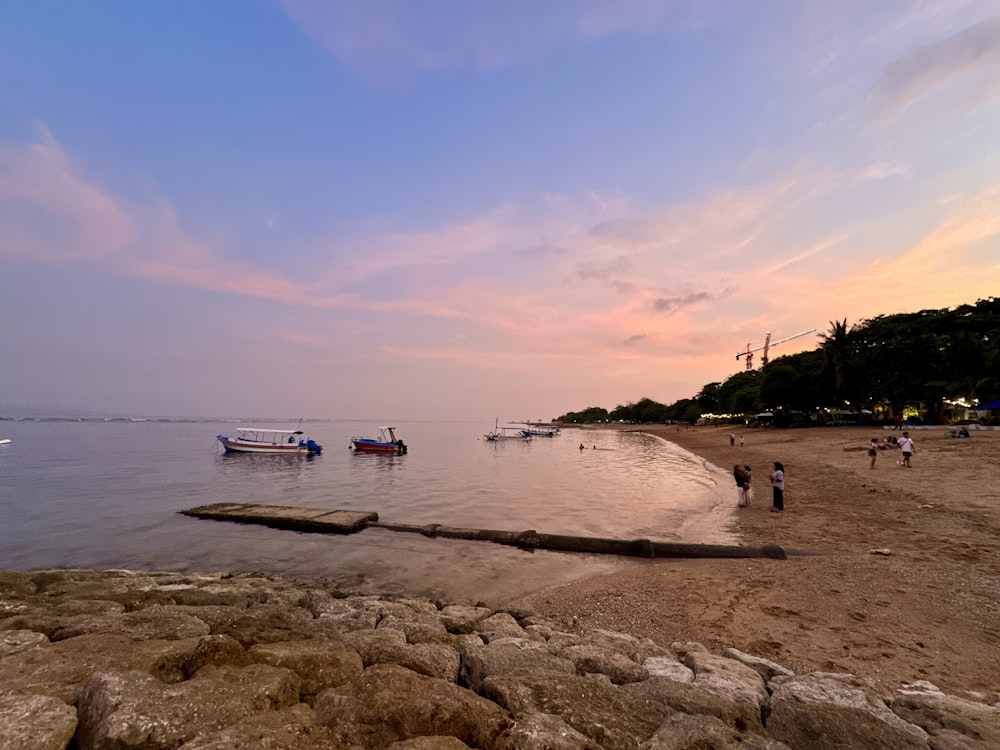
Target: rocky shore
{"type": "Point", "coordinates": [111, 660]}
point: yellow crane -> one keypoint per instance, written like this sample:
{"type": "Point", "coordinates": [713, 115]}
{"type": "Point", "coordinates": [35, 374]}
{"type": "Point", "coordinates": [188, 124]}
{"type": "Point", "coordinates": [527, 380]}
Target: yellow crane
{"type": "Point", "coordinates": [748, 352]}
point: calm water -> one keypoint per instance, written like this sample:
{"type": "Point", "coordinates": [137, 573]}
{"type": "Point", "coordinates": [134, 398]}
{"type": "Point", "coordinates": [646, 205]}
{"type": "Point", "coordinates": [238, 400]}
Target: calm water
{"type": "Point", "coordinates": [107, 494]}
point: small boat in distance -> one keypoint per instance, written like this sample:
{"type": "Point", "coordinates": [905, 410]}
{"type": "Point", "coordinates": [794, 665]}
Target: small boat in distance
{"type": "Point", "coordinates": [4, 441]}
{"type": "Point", "coordinates": [266, 440]}
{"type": "Point", "coordinates": [386, 442]}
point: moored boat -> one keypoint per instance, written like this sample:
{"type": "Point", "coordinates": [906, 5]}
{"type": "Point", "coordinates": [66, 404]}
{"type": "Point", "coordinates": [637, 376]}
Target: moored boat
{"type": "Point", "coordinates": [530, 431]}
{"type": "Point", "coordinates": [266, 440]}
{"type": "Point", "coordinates": [505, 433]}
{"type": "Point", "coordinates": [386, 442]}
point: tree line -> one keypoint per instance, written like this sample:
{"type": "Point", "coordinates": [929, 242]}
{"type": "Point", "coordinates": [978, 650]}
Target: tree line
{"type": "Point", "coordinates": [925, 366]}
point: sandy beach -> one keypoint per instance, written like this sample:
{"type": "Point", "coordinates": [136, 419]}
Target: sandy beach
{"type": "Point", "coordinates": [927, 610]}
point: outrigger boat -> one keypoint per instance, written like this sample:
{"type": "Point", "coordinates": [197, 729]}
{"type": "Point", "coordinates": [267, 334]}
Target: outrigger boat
{"type": "Point", "coordinates": [505, 433]}
{"type": "Point", "coordinates": [386, 442]}
{"type": "Point", "coordinates": [265, 440]}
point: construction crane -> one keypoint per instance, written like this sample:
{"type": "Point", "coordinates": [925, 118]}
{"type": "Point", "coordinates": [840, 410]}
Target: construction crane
{"type": "Point", "coordinates": [748, 352]}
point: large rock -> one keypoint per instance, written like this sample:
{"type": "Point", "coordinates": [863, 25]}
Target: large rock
{"type": "Point", "coordinates": [429, 659]}
{"type": "Point", "coordinates": [536, 731]}
{"type": "Point", "coordinates": [616, 666]}
{"type": "Point", "coordinates": [727, 678]}
{"type": "Point", "coordinates": [500, 625]}
{"type": "Point", "coordinates": [155, 621]}
{"type": "Point", "coordinates": [60, 669]}
{"type": "Point", "coordinates": [293, 728]}
{"type": "Point", "coordinates": [460, 619]}
{"type": "Point", "coordinates": [962, 722]}
{"type": "Point", "coordinates": [593, 709]}
{"type": "Point", "coordinates": [388, 703]}
{"type": "Point", "coordinates": [35, 722]}
{"type": "Point", "coordinates": [508, 655]}
{"type": "Point", "coordinates": [121, 710]}
{"type": "Point", "coordinates": [319, 664]}
{"type": "Point", "coordinates": [827, 711]}
{"type": "Point", "coordinates": [660, 696]}
{"type": "Point", "coordinates": [700, 732]}
{"type": "Point", "coordinates": [12, 641]}
{"type": "Point", "coordinates": [764, 667]}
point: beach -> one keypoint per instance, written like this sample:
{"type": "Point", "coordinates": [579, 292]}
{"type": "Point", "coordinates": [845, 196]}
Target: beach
{"type": "Point", "coordinates": [893, 573]}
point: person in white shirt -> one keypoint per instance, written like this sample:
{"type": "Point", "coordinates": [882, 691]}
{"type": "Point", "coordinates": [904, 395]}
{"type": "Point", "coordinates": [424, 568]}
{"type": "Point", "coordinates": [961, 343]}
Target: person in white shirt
{"type": "Point", "coordinates": [906, 446]}
{"type": "Point", "coordinates": [778, 487]}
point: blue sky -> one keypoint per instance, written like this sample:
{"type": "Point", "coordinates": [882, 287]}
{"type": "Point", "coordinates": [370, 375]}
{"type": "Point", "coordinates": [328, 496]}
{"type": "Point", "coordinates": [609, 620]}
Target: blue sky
{"type": "Point", "coordinates": [456, 210]}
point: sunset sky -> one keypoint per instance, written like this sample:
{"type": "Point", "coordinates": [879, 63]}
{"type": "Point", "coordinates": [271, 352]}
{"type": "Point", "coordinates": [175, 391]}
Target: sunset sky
{"type": "Point", "coordinates": [399, 209]}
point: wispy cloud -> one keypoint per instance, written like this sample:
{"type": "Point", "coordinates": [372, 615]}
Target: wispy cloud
{"type": "Point", "coordinates": [390, 40]}
{"type": "Point", "coordinates": [49, 212]}
{"type": "Point", "coordinates": [931, 66]}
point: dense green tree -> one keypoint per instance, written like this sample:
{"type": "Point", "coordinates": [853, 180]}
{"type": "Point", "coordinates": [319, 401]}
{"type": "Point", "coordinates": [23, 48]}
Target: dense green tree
{"type": "Point", "coordinates": [916, 361]}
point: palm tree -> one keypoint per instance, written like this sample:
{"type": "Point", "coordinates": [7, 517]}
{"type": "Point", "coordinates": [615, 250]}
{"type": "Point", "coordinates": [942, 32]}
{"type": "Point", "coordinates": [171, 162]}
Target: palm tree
{"type": "Point", "coordinates": [840, 349]}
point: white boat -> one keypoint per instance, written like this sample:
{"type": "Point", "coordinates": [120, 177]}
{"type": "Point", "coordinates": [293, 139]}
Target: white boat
{"type": "Point", "coordinates": [4, 441]}
{"type": "Point", "coordinates": [266, 440]}
{"type": "Point", "coordinates": [505, 433]}
{"type": "Point", "coordinates": [530, 431]}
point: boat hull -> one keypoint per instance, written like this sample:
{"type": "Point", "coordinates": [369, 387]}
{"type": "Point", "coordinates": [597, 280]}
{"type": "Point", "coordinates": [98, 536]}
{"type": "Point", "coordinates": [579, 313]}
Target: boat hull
{"type": "Point", "coordinates": [246, 446]}
{"type": "Point", "coordinates": [361, 445]}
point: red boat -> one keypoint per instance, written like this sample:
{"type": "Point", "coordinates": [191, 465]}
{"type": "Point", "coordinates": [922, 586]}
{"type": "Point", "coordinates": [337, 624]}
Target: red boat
{"type": "Point", "coordinates": [386, 442]}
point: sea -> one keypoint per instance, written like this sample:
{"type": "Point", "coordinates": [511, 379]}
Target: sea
{"type": "Point", "coordinates": [107, 493]}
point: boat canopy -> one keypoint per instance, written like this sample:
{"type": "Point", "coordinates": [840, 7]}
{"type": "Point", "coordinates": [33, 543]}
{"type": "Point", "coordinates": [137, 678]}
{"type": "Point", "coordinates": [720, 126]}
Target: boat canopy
{"type": "Point", "coordinates": [268, 429]}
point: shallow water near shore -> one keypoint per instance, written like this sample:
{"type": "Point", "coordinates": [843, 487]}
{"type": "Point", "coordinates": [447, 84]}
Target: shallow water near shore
{"type": "Point", "coordinates": [107, 494]}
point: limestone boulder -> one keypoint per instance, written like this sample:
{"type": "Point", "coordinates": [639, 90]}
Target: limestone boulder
{"type": "Point", "coordinates": [121, 710]}
{"type": "Point", "coordinates": [12, 641]}
{"type": "Point", "coordinates": [500, 625]}
{"type": "Point", "coordinates": [429, 743]}
{"type": "Point", "coordinates": [537, 731]}
{"type": "Point", "coordinates": [509, 655]}
{"type": "Point", "coordinates": [662, 697]}
{"type": "Point", "coordinates": [35, 722]}
{"type": "Point", "coordinates": [685, 732]}
{"type": "Point", "coordinates": [727, 678]}
{"type": "Point", "coordinates": [764, 667]}
{"type": "Point", "coordinates": [669, 667]}
{"type": "Point", "coordinates": [595, 710]}
{"type": "Point", "coordinates": [155, 621]}
{"type": "Point", "coordinates": [292, 728]}
{"type": "Point", "coordinates": [962, 722]}
{"type": "Point", "coordinates": [387, 703]}
{"type": "Point", "coordinates": [319, 664]}
{"type": "Point", "coordinates": [592, 659]}
{"type": "Point", "coordinates": [215, 650]}
{"type": "Point", "coordinates": [830, 710]}
{"type": "Point", "coordinates": [60, 669]}
{"type": "Point", "coordinates": [459, 618]}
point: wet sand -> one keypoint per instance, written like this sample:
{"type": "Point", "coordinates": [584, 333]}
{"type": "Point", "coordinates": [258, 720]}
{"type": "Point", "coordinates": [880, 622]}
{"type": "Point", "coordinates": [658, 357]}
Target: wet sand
{"type": "Point", "coordinates": [928, 610]}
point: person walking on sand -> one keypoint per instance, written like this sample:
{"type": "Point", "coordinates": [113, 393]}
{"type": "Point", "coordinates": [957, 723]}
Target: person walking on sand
{"type": "Point", "coordinates": [742, 482]}
{"type": "Point", "coordinates": [873, 451]}
{"type": "Point", "coordinates": [732, 439]}
{"type": "Point", "coordinates": [906, 446]}
{"type": "Point", "coordinates": [778, 487]}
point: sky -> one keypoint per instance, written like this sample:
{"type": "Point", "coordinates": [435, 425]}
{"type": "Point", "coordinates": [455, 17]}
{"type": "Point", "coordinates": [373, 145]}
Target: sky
{"type": "Point", "coordinates": [442, 209]}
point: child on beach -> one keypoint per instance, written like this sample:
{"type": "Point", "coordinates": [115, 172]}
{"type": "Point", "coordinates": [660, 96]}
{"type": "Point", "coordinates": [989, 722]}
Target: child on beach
{"type": "Point", "coordinates": [778, 487]}
{"type": "Point", "coordinates": [906, 448]}
{"type": "Point", "coordinates": [873, 451]}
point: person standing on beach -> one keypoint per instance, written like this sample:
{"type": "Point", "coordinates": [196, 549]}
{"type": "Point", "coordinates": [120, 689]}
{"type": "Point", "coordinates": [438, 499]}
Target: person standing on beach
{"type": "Point", "coordinates": [778, 487]}
{"type": "Point", "coordinates": [732, 439]}
{"type": "Point", "coordinates": [873, 451]}
{"type": "Point", "coordinates": [742, 482]}
{"type": "Point", "coordinates": [906, 446]}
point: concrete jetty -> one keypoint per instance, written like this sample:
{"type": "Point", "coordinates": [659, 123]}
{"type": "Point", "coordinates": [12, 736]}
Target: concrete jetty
{"type": "Point", "coordinates": [322, 521]}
